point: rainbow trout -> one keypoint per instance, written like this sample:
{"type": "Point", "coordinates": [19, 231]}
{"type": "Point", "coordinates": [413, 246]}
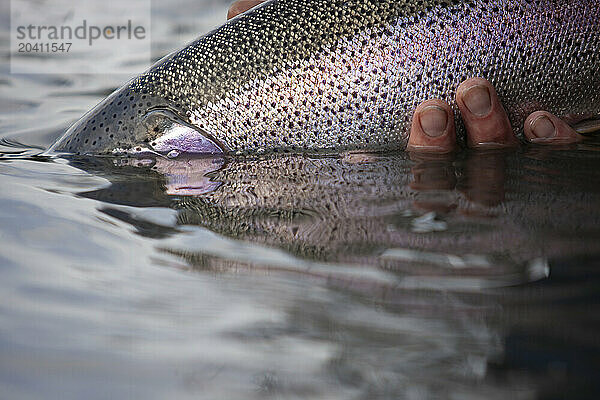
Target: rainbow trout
{"type": "Point", "coordinates": [308, 75]}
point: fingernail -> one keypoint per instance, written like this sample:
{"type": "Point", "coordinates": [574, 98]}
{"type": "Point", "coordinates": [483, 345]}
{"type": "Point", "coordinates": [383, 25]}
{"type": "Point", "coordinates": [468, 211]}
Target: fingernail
{"type": "Point", "coordinates": [542, 127]}
{"type": "Point", "coordinates": [433, 120]}
{"type": "Point", "coordinates": [478, 101]}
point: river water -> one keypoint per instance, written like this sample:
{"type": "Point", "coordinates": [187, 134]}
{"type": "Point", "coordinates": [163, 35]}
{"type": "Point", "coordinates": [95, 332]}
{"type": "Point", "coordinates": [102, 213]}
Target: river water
{"type": "Point", "coordinates": [348, 276]}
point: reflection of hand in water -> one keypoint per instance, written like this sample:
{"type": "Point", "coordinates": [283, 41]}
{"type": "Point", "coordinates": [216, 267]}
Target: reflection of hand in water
{"type": "Point", "coordinates": [484, 178]}
{"type": "Point", "coordinates": [480, 177]}
{"type": "Point", "coordinates": [433, 172]}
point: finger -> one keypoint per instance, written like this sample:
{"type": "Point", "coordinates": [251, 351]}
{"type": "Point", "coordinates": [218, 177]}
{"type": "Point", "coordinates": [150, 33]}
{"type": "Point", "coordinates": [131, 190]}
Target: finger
{"type": "Point", "coordinates": [432, 172]}
{"type": "Point", "coordinates": [484, 177]}
{"type": "Point", "coordinates": [485, 119]}
{"type": "Point", "coordinates": [543, 127]}
{"type": "Point", "coordinates": [241, 6]}
{"type": "Point", "coordinates": [432, 129]}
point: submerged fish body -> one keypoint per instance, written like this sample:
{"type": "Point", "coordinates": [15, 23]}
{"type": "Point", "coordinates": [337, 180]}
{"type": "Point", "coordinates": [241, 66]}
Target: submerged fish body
{"type": "Point", "coordinates": [298, 75]}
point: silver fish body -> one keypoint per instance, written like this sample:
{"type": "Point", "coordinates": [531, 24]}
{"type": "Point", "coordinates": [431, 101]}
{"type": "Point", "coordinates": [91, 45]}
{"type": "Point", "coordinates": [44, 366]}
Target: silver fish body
{"type": "Point", "coordinates": [307, 75]}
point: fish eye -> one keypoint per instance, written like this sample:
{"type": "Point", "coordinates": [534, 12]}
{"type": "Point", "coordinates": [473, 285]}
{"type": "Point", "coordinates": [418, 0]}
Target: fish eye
{"type": "Point", "coordinates": [158, 122]}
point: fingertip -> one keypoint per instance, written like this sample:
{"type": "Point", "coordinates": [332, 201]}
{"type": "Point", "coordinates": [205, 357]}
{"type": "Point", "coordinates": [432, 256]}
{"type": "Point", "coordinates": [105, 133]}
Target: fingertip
{"type": "Point", "coordinates": [485, 119]}
{"type": "Point", "coordinates": [241, 6]}
{"type": "Point", "coordinates": [432, 128]}
{"type": "Point", "coordinates": [545, 128]}
{"type": "Point", "coordinates": [233, 10]}
{"type": "Point", "coordinates": [475, 97]}
{"type": "Point", "coordinates": [473, 81]}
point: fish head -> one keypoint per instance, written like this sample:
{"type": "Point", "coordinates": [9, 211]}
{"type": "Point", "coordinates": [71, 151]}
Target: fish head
{"type": "Point", "coordinates": [135, 122]}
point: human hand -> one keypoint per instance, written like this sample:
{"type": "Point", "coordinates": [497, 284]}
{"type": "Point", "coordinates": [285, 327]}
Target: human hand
{"type": "Point", "coordinates": [486, 122]}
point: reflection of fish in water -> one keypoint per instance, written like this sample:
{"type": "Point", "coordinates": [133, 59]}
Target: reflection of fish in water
{"type": "Point", "coordinates": [334, 210]}
{"type": "Point", "coordinates": [324, 74]}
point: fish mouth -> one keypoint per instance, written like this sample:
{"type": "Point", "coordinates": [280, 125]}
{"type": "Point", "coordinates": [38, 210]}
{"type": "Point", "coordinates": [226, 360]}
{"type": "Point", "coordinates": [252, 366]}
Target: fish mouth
{"type": "Point", "coordinates": [168, 135]}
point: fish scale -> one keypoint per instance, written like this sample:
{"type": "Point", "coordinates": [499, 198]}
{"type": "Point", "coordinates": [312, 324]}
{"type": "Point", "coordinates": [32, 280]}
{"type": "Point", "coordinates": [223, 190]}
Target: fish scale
{"type": "Point", "coordinates": [294, 75]}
